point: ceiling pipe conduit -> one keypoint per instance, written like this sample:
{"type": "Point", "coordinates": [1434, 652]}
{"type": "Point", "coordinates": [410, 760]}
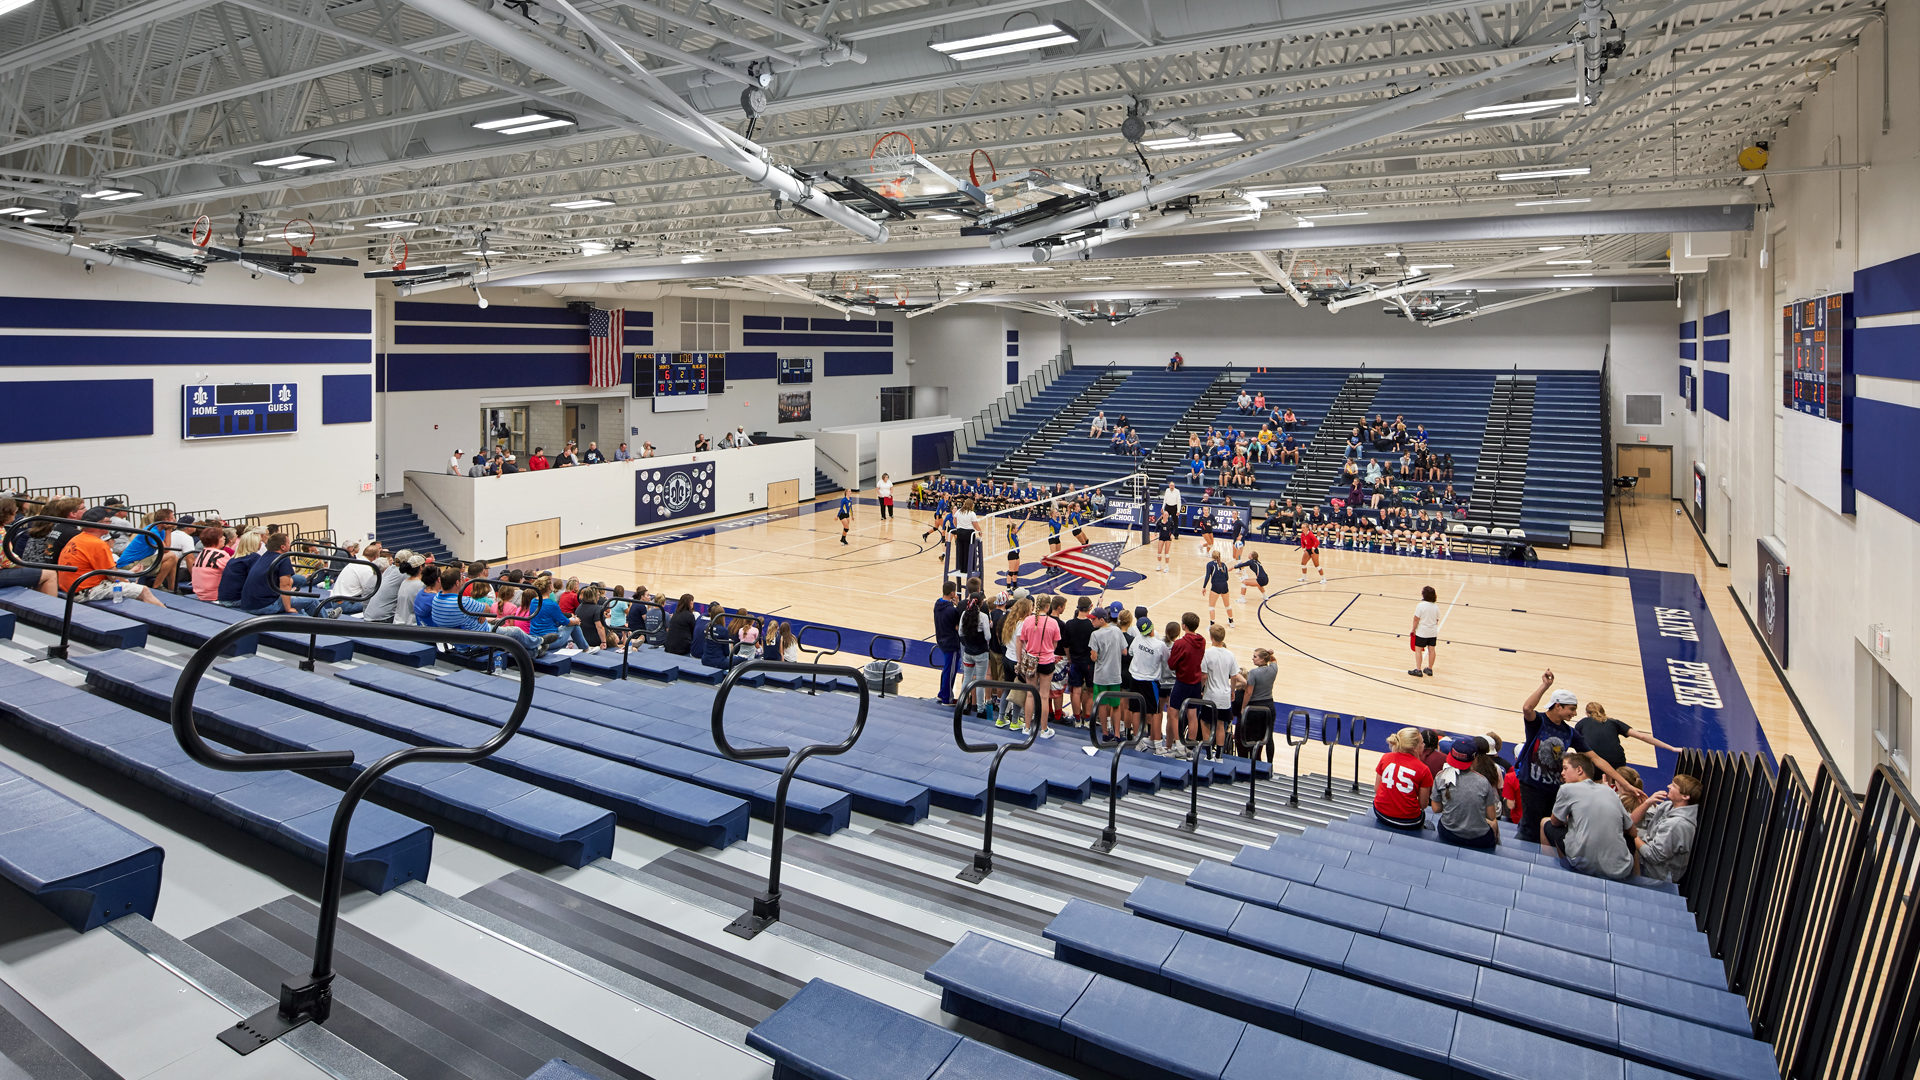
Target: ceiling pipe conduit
{"type": "Point", "coordinates": [656, 111]}
{"type": "Point", "coordinates": [1441, 280]}
{"type": "Point", "coordinates": [1506, 305]}
{"type": "Point", "coordinates": [1280, 275]}
{"type": "Point", "coordinates": [67, 245]}
{"type": "Point", "coordinates": [1502, 83]}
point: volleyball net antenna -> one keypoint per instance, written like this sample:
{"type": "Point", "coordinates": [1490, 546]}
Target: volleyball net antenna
{"type": "Point", "coordinates": [1113, 512]}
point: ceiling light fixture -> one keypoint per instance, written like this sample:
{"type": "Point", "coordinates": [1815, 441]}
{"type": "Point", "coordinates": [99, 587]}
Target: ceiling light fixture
{"type": "Point", "coordinates": [1550, 202]}
{"type": "Point", "coordinates": [1569, 262]}
{"type": "Point", "coordinates": [1573, 275]}
{"type": "Point", "coordinates": [1177, 142]}
{"type": "Point", "coordinates": [694, 258]}
{"type": "Point", "coordinates": [581, 204]}
{"type": "Point", "coordinates": [1183, 262]}
{"type": "Point", "coordinates": [1233, 273]}
{"type": "Point", "coordinates": [1034, 269]}
{"type": "Point", "coordinates": [1098, 277]}
{"type": "Point", "coordinates": [1554, 247]}
{"type": "Point", "coordinates": [1429, 266]}
{"type": "Point", "coordinates": [21, 211]}
{"type": "Point", "coordinates": [1288, 192]}
{"type": "Point", "coordinates": [394, 223]}
{"type": "Point", "coordinates": [522, 123]}
{"type": "Point", "coordinates": [542, 125]}
{"type": "Point", "coordinates": [1335, 214]}
{"type": "Point", "coordinates": [763, 230]}
{"type": "Point", "coordinates": [108, 194]}
{"type": "Point", "coordinates": [1003, 42]}
{"type": "Point", "coordinates": [1521, 108]}
{"type": "Point", "coordinates": [1389, 254]}
{"type": "Point", "coordinates": [943, 217]}
{"type": "Point", "coordinates": [296, 162]}
{"type": "Point", "coordinates": [487, 251]}
{"type": "Point", "coordinates": [884, 277]}
{"type": "Point", "coordinates": [1543, 174]}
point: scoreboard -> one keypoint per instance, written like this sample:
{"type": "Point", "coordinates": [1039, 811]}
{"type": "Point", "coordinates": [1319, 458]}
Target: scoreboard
{"type": "Point", "coordinates": [231, 410]}
{"type": "Point", "coordinates": [679, 381]}
{"type": "Point", "coordinates": [1814, 335]}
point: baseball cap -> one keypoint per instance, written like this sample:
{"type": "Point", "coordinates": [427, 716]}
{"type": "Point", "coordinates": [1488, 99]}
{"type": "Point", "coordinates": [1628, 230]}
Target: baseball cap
{"type": "Point", "coordinates": [1140, 612]}
{"type": "Point", "coordinates": [457, 453]}
{"type": "Point", "coordinates": [1562, 697]}
{"type": "Point", "coordinates": [97, 513]}
{"type": "Point", "coordinates": [1114, 609]}
{"type": "Point", "coordinates": [184, 519]}
{"type": "Point", "coordinates": [1020, 594]}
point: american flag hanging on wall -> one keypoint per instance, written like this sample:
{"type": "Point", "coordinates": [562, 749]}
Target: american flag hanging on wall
{"type": "Point", "coordinates": [605, 332]}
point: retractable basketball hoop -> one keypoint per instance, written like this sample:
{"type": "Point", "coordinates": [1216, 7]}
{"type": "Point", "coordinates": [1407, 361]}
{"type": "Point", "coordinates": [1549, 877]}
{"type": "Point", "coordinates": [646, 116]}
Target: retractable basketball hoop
{"type": "Point", "coordinates": [397, 250]}
{"type": "Point", "coordinates": [202, 232]}
{"type": "Point", "coordinates": [300, 236]}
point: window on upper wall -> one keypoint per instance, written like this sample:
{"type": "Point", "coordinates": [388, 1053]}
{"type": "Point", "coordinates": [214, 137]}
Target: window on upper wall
{"type": "Point", "coordinates": [1892, 721]}
{"type": "Point", "coordinates": [705, 325]}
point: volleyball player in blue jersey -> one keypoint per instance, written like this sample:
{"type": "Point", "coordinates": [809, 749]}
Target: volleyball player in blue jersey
{"type": "Point", "coordinates": [846, 513]}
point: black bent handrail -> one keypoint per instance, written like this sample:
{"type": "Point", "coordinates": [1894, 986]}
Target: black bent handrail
{"type": "Point", "coordinates": [58, 651]}
{"type": "Point", "coordinates": [1191, 823]}
{"type": "Point", "coordinates": [1306, 725]}
{"type": "Point", "coordinates": [334, 562]}
{"type": "Point", "coordinates": [982, 863]}
{"type": "Point", "coordinates": [1356, 737]}
{"type": "Point", "coordinates": [313, 1000]}
{"type": "Point", "coordinates": [766, 906]}
{"type": "Point", "coordinates": [1110, 835]}
{"type": "Point", "coordinates": [1330, 735]}
{"type": "Point", "coordinates": [1248, 746]}
{"type": "Point", "coordinates": [901, 659]}
{"type": "Point", "coordinates": [819, 654]}
{"type": "Point", "coordinates": [645, 630]}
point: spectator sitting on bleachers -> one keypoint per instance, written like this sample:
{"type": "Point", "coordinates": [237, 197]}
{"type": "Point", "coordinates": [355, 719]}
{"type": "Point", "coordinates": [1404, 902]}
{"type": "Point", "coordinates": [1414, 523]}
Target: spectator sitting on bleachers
{"type": "Point", "coordinates": [119, 540]}
{"type": "Point", "coordinates": [88, 551]}
{"type": "Point", "coordinates": [473, 612]}
{"type": "Point", "coordinates": [385, 603]}
{"type": "Point", "coordinates": [270, 579]}
{"type": "Point", "coordinates": [1099, 425]}
{"type": "Point", "coordinates": [185, 539]}
{"type": "Point", "coordinates": [1629, 775]}
{"type": "Point", "coordinates": [1468, 796]}
{"type": "Point", "coordinates": [591, 610]}
{"type": "Point", "coordinates": [355, 585]}
{"type": "Point", "coordinates": [205, 568]}
{"type": "Point", "coordinates": [680, 627]}
{"type": "Point", "coordinates": [1401, 783]}
{"type": "Point", "coordinates": [593, 455]}
{"type": "Point", "coordinates": [44, 581]}
{"type": "Point", "coordinates": [1244, 402]}
{"type": "Point", "coordinates": [156, 530]}
{"type": "Point", "coordinates": [423, 600]}
{"type": "Point", "coordinates": [233, 576]}
{"type": "Point", "coordinates": [1588, 828]}
{"type": "Point", "coordinates": [548, 624]}
{"type": "Point", "coordinates": [1288, 421]}
{"type": "Point", "coordinates": [410, 586]}
{"type": "Point", "coordinates": [1177, 362]}
{"type": "Point", "coordinates": [1665, 825]}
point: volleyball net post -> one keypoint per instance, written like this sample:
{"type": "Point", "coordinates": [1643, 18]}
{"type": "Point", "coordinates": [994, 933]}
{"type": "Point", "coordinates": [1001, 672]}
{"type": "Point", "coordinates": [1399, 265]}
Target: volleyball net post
{"type": "Point", "coordinates": [1120, 503]}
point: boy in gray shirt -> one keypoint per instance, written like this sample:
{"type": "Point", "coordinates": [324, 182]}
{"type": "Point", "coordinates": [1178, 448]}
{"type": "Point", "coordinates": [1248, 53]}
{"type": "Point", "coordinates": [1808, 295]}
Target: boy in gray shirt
{"type": "Point", "coordinates": [1107, 644]}
{"type": "Point", "coordinates": [1589, 826]}
{"type": "Point", "coordinates": [1667, 823]}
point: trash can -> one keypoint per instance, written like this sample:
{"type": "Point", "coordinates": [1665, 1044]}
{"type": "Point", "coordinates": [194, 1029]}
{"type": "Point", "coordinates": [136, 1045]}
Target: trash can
{"type": "Point", "coordinates": [883, 675]}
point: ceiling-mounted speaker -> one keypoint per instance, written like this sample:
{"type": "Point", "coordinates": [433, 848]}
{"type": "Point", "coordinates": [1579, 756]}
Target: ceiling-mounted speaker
{"type": "Point", "coordinates": [1134, 127]}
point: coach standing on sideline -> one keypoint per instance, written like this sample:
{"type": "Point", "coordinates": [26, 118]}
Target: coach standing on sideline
{"type": "Point", "coordinates": [946, 637]}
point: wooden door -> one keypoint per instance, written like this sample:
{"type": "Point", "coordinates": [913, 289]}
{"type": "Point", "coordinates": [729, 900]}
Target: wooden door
{"type": "Point", "coordinates": [531, 539]}
{"type": "Point", "coordinates": [1652, 464]}
{"type": "Point", "coordinates": [783, 493]}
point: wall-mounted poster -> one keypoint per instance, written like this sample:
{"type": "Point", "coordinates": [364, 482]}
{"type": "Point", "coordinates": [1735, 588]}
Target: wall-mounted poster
{"type": "Point", "coordinates": [796, 407]}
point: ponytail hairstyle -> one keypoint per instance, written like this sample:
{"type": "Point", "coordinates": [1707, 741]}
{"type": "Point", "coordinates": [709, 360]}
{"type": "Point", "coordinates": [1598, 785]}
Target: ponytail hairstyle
{"type": "Point", "coordinates": [1485, 763]}
{"type": "Point", "coordinates": [1597, 711]}
{"type": "Point", "coordinates": [1408, 740]}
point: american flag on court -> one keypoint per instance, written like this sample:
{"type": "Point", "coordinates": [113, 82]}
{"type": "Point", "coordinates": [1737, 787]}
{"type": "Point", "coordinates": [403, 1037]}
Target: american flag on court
{"type": "Point", "coordinates": [605, 331]}
{"type": "Point", "coordinates": [1093, 563]}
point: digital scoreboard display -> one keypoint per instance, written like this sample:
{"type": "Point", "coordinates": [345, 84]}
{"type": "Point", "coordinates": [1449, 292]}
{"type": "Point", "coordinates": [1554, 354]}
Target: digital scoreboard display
{"type": "Point", "coordinates": [232, 410]}
{"type": "Point", "coordinates": [1814, 335]}
{"type": "Point", "coordinates": [679, 380]}
{"type": "Point", "coordinates": [796, 369]}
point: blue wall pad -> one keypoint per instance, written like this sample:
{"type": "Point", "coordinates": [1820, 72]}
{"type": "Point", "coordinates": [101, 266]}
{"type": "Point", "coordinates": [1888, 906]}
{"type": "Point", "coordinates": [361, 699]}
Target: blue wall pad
{"type": "Point", "coordinates": [1689, 330]}
{"type": "Point", "coordinates": [479, 371]}
{"type": "Point", "coordinates": [1718, 324]}
{"type": "Point", "coordinates": [1689, 350]}
{"type": "Point", "coordinates": [346, 399]}
{"type": "Point", "coordinates": [184, 351]}
{"type": "Point", "coordinates": [1883, 454]}
{"type": "Point", "coordinates": [40, 411]}
{"type": "Point", "coordinates": [791, 339]}
{"type": "Point", "coordinates": [857, 363]}
{"type": "Point", "coordinates": [1887, 352]}
{"type": "Point", "coordinates": [752, 365]}
{"type": "Point", "coordinates": [426, 334]}
{"type": "Point", "coordinates": [1717, 386]}
{"type": "Point", "coordinates": [1719, 351]}
{"type": "Point", "coordinates": [42, 313]}
{"type": "Point", "coordinates": [417, 311]}
{"type": "Point", "coordinates": [1013, 372]}
{"type": "Point", "coordinates": [1887, 289]}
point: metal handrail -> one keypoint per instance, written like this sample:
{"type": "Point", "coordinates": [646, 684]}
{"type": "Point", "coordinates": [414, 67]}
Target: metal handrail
{"type": "Point", "coordinates": [1306, 725]}
{"type": "Point", "coordinates": [334, 562]}
{"type": "Point", "coordinates": [626, 645]}
{"type": "Point", "coordinates": [427, 495]}
{"type": "Point", "coordinates": [1330, 735]}
{"type": "Point", "coordinates": [1191, 823]}
{"type": "Point", "coordinates": [800, 642]}
{"type": "Point", "coordinates": [982, 864]}
{"type": "Point", "coordinates": [59, 650]}
{"type": "Point", "coordinates": [1110, 835]}
{"type": "Point", "coordinates": [766, 906]}
{"type": "Point", "coordinates": [1247, 747]}
{"type": "Point", "coordinates": [1356, 737]}
{"type": "Point", "coordinates": [313, 1000]}
{"type": "Point", "coordinates": [901, 659]}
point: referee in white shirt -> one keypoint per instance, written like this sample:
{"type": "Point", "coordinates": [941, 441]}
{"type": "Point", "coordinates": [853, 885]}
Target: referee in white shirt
{"type": "Point", "coordinates": [1170, 502]}
{"type": "Point", "coordinates": [963, 519]}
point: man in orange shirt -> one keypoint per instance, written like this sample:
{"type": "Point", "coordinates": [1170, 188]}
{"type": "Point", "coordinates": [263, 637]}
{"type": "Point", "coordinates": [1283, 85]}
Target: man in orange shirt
{"type": "Point", "coordinates": [87, 552]}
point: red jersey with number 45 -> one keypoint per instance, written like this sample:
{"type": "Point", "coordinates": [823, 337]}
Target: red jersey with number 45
{"type": "Point", "coordinates": [1401, 778]}
{"type": "Point", "coordinates": [1309, 540]}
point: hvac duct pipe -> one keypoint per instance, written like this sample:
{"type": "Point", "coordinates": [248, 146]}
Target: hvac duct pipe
{"type": "Point", "coordinates": [1410, 111]}
{"type": "Point", "coordinates": [656, 118]}
{"type": "Point", "coordinates": [1444, 279]}
{"type": "Point", "coordinates": [66, 245]}
{"type": "Point", "coordinates": [1507, 305]}
{"type": "Point", "coordinates": [1280, 275]}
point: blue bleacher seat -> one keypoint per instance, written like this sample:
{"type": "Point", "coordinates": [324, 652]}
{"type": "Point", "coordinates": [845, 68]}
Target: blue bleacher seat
{"type": "Point", "coordinates": [180, 626]}
{"type": "Point", "coordinates": [826, 1032]}
{"type": "Point", "coordinates": [328, 648]}
{"type": "Point", "coordinates": [6, 624]}
{"type": "Point", "coordinates": [83, 867]}
{"type": "Point", "coordinates": [101, 629]}
{"type": "Point", "coordinates": [558, 1069]}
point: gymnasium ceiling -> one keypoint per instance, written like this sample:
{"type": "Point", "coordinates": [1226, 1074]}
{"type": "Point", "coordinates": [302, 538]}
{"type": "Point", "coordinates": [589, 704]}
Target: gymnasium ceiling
{"type": "Point", "coordinates": [176, 101]}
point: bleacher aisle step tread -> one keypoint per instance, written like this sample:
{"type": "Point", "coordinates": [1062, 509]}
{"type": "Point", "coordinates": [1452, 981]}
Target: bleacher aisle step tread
{"type": "Point", "coordinates": [410, 1016]}
{"type": "Point", "coordinates": [33, 1046]}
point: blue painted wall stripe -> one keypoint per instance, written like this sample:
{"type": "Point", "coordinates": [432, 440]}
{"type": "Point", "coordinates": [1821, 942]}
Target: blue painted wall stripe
{"type": "Point", "coordinates": [1883, 454]}
{"type": "Point", "coordinates": [47, 313]}
{"type": "Point", "coordinates": [862, 326]}
{"type": "Point", "coordinates": [480, 371]}
{"type": "Point", "coordinates": [181, 351]}
{"type": "Point", "coordinates": [1887, 289]}
{"type": "Point", "coordinates": [793, 322]}
{"type": "Point", "coordinates": [1718, 324]}
{"type": "Point", "coordinates": [1719, 351]}
{"type": "Point", "coordinates": [1717, 394]}
{"type": "Point", "coordinates": [478, 334]}
{"type": "Point", "coordinates": [812, 341]}
{"type": "Point", "coordinates": [1887, 352]}
{"type": "Point", "coordinates": [857, 363]}
{"type": "Point", "coordinates": [63, 409]}
{"type": "Point", "coordinates": [502, 314]}
{"type": "Point", "coordinates": [346, 399]}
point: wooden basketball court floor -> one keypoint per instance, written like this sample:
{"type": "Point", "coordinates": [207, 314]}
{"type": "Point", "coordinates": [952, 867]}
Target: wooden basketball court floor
{"type": "Point", "coordinates": [1341, 646]}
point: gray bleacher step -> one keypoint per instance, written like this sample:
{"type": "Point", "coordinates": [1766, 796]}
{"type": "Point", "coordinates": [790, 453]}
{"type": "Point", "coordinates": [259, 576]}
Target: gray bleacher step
{"type": "Point", "coordinates": [1049, 880]}
{"type": "Point", "coordinates": [938, 893]}
{"type": "Point", "coordinates": [1216, 823]}
{"type": "Point", "coordinates": [1073, 848]}
{"type": "Point", "coordinates": [33, 1046]}
{"type": "Point", "coordinates": [411, 1016]}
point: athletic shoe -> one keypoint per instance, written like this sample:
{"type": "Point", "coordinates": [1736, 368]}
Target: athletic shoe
{"type": "Point", "coordinates": [1415, 672]}
{"type": "Point", "coordinates": [1229, 620]}
{"type": "Point", "coordinates": [1047, 734]}
{"type": "Point", "coordinates": [843, 539]}
{"type": "Point", "coordinates": [1429, 672]}
{"type": "Point", "coordinates": [1303, 579]}
{"type": "Point", "coordinates": [1000, 722]}
{"type": "Point", "coordinates": [1143, 743]}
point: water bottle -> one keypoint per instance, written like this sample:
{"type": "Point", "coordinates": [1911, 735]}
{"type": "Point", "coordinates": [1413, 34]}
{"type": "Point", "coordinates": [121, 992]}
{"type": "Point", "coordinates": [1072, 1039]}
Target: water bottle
{"type": "Point", "coordinates": [119, 592]}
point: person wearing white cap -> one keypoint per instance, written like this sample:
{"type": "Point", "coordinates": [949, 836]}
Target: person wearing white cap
{"type": "Point", "coordinates": [1550, 735]}
{"type": "Point", "coordinates": [454, 468]}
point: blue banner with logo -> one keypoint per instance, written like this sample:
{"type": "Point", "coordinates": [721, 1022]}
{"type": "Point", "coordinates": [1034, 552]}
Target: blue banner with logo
{"type": "Point", "coordinates": [672, 492]}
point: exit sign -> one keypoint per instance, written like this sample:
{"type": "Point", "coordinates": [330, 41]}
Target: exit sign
{"type": "Point", "coordinates": [1642, 438]}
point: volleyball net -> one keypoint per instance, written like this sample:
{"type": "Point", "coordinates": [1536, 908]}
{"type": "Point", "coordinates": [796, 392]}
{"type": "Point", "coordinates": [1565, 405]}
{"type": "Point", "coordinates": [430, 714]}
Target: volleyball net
{"type": "Point", "coordinates": [1111, 512]}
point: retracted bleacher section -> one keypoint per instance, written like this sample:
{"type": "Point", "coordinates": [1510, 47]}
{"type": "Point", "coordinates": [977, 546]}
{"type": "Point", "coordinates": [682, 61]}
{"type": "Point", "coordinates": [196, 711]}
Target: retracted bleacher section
{"type": "Point", "coordinates": [1565, 491]}
{"type": "Point", "coordinates": [994, 447]}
